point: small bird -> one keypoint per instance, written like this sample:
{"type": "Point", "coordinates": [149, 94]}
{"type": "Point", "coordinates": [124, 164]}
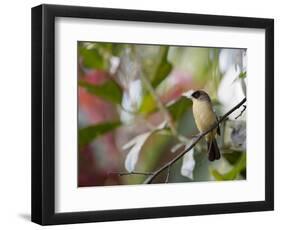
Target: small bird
{"type": "Point", "coordinates": [205, 117]}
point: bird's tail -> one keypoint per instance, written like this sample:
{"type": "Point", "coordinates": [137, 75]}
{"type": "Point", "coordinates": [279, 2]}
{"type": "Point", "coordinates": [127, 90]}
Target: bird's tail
{"type": "Point", "coordinates": [213, 150]}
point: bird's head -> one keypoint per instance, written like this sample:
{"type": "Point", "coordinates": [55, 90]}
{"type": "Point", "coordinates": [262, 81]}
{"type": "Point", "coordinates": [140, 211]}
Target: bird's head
{"type": "Point", "coordinates": [197, 95]}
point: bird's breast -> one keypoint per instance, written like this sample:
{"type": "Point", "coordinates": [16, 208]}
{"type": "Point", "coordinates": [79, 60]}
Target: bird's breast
{"type": "Point", "coordinates": [204, 115]}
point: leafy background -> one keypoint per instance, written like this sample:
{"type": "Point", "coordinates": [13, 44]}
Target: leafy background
{"type": "Point", "coordinates": [133, 117]}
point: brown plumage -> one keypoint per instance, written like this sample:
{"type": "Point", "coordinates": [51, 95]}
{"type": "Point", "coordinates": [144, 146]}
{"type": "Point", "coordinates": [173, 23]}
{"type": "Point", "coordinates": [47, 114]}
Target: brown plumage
{"type": "Point", "coordinates": [205, 117]}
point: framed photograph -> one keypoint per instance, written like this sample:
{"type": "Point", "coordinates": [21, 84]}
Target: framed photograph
{"type": "Point", "coordinates": [141, 114]}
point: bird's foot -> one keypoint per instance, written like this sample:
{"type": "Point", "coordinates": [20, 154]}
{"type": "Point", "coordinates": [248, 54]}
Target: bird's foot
{"type": "Point", "coordinates": [196, 135]}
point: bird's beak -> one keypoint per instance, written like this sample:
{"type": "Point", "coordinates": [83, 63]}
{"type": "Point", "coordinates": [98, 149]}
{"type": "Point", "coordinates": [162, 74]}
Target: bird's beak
{"type": "Point", "coordinates": [188, 94]}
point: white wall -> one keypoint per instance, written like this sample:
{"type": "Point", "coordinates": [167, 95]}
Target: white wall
{"type": "Point", "coordinates": [15, 113]}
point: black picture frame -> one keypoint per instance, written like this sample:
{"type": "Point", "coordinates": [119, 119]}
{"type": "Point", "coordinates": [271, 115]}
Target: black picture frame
{"type": "Point", "coordinates": [43, 114]}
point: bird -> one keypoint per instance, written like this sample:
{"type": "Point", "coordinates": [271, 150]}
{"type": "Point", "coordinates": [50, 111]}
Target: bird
{"type": "Point", "coordinates": [205, 118]}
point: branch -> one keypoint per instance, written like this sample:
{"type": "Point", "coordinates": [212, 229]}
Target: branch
{"type": "Point", "coordinates": [131, 173]}
{"type": "Point", "coordinates": [195, 141]}
{"type": "Point", "coordinates": [241, 113]}
{"type": "Point", "coordinates": [168, 174]}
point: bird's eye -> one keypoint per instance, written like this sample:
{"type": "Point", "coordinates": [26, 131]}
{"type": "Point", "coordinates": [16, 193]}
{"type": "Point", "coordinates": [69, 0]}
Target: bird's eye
{"type": "Point", "coordinates": [196, 94]}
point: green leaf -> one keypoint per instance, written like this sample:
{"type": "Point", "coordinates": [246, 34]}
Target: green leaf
{"type": "Point", "coordinates": [178, 108]}
{"type": "Point", "coordinates": [109, 90]}
{"type": "Point", "coordinates": [217, 175]}
{"type": "Point", "coordinates": [233, 157]}
{"type": "Point", "coordinates": [150, 156]}
{"type": "Point", "coordinates": [156, 67]}
{"type": "Point", "coordinates": [163, 68]}
{"type": "Point", "coordinates": [239, 167]}
{"type": "Point", "coordinates": [117, 49]}
{"type": "Point", "coordinates": [88, 134]}
{"type": "Point", "coordinates": [112, 49]}
{"type": "Point", "coordinates": [92, 58]}
{"type": "Point", "coordinates": [154, 62]}
{"type": "Point", "coordinates": [148, 105]}
{"type": "Point", "coordinates": [243, 75]}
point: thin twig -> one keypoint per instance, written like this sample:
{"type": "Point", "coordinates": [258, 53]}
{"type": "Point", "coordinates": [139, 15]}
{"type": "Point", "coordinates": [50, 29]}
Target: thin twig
{"type": "Point", "coordinates": [132, 173]}
{"type": "Point", "coordinates": [160, 105]}
{"type": "Point", "coordinates": [242, 111]}
{"type": "Point", "coordinates": [150, 178]}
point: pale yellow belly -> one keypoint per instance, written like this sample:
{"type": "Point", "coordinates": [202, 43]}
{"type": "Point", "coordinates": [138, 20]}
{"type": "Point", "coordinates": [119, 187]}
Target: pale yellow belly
{"type": "Point", "coordinates": [204, 117]}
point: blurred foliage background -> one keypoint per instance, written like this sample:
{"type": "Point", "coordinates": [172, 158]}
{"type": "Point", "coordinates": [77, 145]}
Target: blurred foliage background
{"type": "Point", "coordinates": [133, 117]}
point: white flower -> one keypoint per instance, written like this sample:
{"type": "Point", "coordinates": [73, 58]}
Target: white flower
{"type": "Point", "coordinates": [131, 100]}
{"type": "Point", "coordinates": [136, 144]}
{"type": "Point", "coordinates": [133, 155]}
{"type": "Point", "coordinates": [188, 164]}
{"type": "Point", "coordinates": [230, 91]}
{"type": "Point", "coordinates": [232, 57]}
